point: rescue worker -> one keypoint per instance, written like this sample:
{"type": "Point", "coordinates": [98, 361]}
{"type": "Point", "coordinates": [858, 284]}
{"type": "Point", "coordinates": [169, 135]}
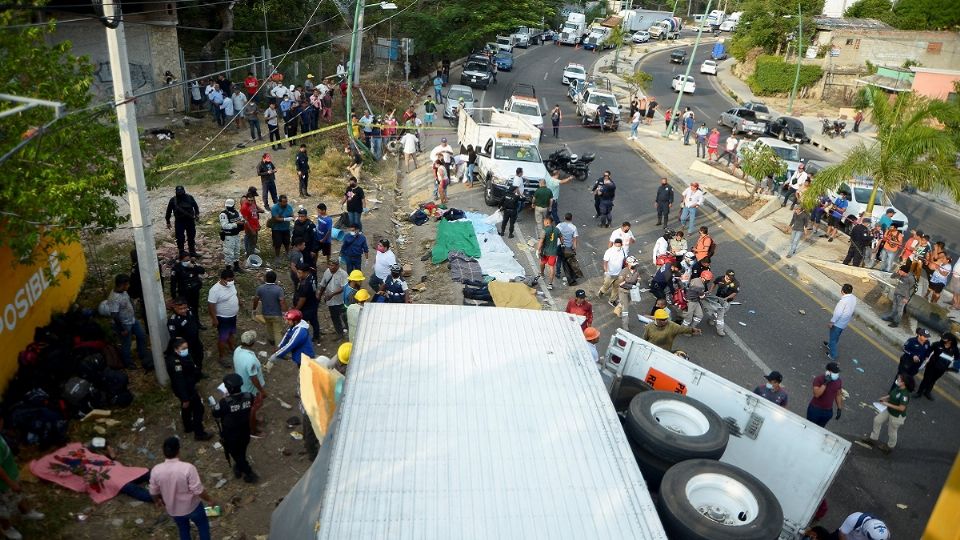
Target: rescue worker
{"type": "Point", "coordinates": [296, 340]}
{"type": "Point", "coordinates": [592, 335]}
{"type": "Point", "coordinates": [305, 298]}
{"type": "Point", "coordinates": [184, 324]}
{"type": "Point", "coordinates": [394, 288]}
{"type": "Point", "coordinates": [664, 202]}
{"type": "Point", "coordinates": [695, 293]}
{"type": "Point", "coordinates": [663, 331]}
{"type": "Point", "coordinates": [234, 414]}
{"type": "Point", "coordinates": [629, 278]}
{"type": "Point", "coordinates": [354, 283]}
{"type": "Point", "coordinates": [231, 225]}
{"type": "Point", "coordinates": [186, 281]}
{"type": "Point", "coordinates": [353, 312]}
{"type": "Point", "coordinates": [726, 289]}
{"type": "Point", "coordinates": [183, 381]}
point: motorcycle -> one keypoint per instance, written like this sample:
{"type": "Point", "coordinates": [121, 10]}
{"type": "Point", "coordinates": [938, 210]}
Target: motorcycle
{"type": "Point", "coordinates": [833, 128]}
{"type": "Point", "coordinates": [570, 163]}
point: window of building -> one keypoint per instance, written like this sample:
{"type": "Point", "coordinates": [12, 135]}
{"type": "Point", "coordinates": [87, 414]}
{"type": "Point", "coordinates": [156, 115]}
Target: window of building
{"type": "Point", "coordinates": [849, 41]}
{"type": "Point", "coordinates": [934, 47]}
{"type": "Point", "coordinates": [856, 44]}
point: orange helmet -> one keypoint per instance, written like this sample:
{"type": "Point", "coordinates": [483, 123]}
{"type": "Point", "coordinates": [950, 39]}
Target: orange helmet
{"type": "Point", "coordinates": [591, 333]}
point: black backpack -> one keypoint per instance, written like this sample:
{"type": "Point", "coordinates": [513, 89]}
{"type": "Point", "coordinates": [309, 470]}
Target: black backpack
{"type": "Point", "coordinates": [77, 393]}
{"type": "Point", "coordinates": [115, 387]}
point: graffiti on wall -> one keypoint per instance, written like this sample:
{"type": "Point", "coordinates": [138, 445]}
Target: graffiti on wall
{"type": "Point", "coordinates": [139, 75]}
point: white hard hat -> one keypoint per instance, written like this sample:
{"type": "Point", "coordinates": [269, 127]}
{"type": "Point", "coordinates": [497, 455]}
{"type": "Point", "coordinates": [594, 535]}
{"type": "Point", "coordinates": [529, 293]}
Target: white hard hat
{"type": "Point", "coordinates": [689, 255]}
{"type": "Point", "coordinates": [874, 529]}
{"type": "Point", "coordinates": [254, 261]}
{"type": "Point", "coordinates": [229, 203]}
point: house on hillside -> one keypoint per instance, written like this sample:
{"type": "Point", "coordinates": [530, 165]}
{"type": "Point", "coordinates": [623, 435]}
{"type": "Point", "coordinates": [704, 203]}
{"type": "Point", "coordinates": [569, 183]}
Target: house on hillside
{"type": "Point", "coordinates": [152, 49]}
{"type": "Point", "coordinates": [936, 83]}
{"type": "Point", "coordinates": [848, 43]}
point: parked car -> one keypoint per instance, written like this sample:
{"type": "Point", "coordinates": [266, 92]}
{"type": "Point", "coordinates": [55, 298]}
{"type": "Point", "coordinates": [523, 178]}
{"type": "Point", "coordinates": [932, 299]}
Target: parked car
{"type": "Point", "coordinates": [683, 83]}
{"type": "Point", "coordinates": [476, 73]}
{"type": "Point", "coordinates": [741, 120]}
{"type": "Point", "coordinates": [452, 99]}
{"type": "Point", "coordinates": [574, 72]}
{"type": "Point", "coordinates": [788, 128]}
{"type": "Point", "coordinates": [760, 108]}
{"type": "Point", "coordinates": [679, 56]}
{"type": "Point", "coordinates": [640, 36]}
{"type": "Point", "coordinates": [590, 100]}
{"type": "Point", "coordinates": [504, 61]}
{"type": "Point", "coordinates": [709, 66]}
{"type": "Point", "coordinates": [859, 190]}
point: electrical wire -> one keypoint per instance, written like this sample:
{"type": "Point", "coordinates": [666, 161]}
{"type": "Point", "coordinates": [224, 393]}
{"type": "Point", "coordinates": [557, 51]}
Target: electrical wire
{"type": "Point", "coordinates": [162, 25]}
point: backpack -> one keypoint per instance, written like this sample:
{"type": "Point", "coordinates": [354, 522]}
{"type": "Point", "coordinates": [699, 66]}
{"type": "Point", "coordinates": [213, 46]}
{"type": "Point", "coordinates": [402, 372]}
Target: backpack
{"type": "Point", "coordinates": [712, 250]}
{"type": "Point", "coordinates": [36, 422]}
{"type": "Point", "coordinates": [419, 217]}
{"type": "Point", "coordinates": [77, 393]}
{"type": "Point", "coordinates": [115, 386]}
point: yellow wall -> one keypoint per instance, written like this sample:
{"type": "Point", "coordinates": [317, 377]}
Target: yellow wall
{"type": "Point", "coordinates": [28, 299]}
{"type": "Point", "coordinates": [944, 522]}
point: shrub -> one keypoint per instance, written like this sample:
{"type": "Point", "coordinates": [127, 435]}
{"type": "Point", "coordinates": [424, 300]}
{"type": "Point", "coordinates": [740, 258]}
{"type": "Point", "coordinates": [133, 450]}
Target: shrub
{"type": "Point", "coordinates": [774, 76]}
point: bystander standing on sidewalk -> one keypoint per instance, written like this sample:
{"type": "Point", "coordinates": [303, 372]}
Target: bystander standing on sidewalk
{"type": "Point", "coordinates": [702, 133]}
{"type": "Point", "coordinates": [906, 286]}
{"type": "Point", "coordinates": [176, 487]}
{"type": "Point", "coordinates": [799, 229]}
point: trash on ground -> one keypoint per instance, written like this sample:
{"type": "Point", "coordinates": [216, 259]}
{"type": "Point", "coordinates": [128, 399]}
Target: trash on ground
{"type": "Point", "coordinates": [802, 312]}
{"type": "Point", "coordinates": [752, 312]}
{"type": "Point", "coordinates": [217, 446]}
{"type": "Point", "coordinates": [860, 369]}
{"type": "Point", "coordinates": [296, 435]}
{"type": "Point", "coordinates": [741, 323]}
{"type": "Point", "coordinates": [220, 483]}
{"type": "Point", "coordinates": [902, 506]}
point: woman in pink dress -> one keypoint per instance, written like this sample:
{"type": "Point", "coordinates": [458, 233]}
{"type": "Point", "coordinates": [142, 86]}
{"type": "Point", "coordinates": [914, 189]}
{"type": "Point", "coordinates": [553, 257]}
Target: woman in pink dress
{"type": "Point", "coordinates": [713, 144]}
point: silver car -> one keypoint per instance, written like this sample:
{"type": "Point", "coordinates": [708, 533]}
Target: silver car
{"type": "Point", "coordinates": [453, 96]}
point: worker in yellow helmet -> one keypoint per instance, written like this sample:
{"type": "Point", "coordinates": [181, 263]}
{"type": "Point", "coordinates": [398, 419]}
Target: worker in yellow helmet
{"type": "Point", "coordinates": [663, 331]}
{"type": "Point", "coordinates": [360, 298]}
{"type": "Point", "coordinates": [354, 284]}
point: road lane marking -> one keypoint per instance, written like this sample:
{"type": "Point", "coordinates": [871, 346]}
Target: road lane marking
{"type": "Point", "coordinates": [545, 74]}
{"type": "Point", "coordinates": [557, 60]}
{"type": "Point", "coordinates": [764, 368]}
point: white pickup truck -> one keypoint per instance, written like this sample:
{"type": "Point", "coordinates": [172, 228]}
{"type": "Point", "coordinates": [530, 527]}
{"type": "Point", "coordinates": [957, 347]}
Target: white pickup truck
{"type": "Point", "coordinates": [793, 458]}
{"type": "Point", "coordinates": [504, 142]}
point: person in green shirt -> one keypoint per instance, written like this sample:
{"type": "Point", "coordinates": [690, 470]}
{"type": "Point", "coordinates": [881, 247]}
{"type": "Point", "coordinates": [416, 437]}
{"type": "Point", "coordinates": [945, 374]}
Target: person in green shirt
{"type": "Point", "coordinates": [895, 413]}
{"type": "Point", "coordinates": [10, 492]}
{"type": "Point", "coordinates": [542, 199]}
{"type": "Point", "coordinates": [663, 331]}
{"type": "Point", "coordinates": [547, 248]}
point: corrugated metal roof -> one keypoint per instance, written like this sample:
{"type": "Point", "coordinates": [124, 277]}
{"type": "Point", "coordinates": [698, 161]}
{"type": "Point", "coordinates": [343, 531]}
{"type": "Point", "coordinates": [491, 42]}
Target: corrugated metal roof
{"type": "Point", "coordinates": [463, 422]}
{"type": "Point", "coordinates": [837, 23]}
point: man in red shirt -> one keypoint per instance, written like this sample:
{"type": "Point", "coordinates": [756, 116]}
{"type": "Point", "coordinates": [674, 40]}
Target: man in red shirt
{"type": "Point", "coordinates": [578, 305]}
{"type": "Point", "coordinates": [251, 216]}
{"type": "Point", "coordinates": [827, 390]}
{"type": "Point", "coordinates": [250, 84]}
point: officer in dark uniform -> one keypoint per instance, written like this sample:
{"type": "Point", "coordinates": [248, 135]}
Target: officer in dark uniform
{"type": "Point", "coordinates": [395, 288]}
{"type": "Point", "coordinates": [664, 201]}
{"type": "Point", "coordinates": [184, 324]}
{"type": "Point", "coordinates": [234, 414]}
{"type": "Point", "coordinates": [183, 381]}
{"type": "Point", "coordinates": [183, 207]}
{"type": "Point", "coordinates": [186, 281]}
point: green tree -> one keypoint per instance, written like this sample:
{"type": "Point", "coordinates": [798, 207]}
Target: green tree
{"type": "Point", "coordinates": [637, 81]}
{"type": "Point", "coordinates": [870, 9]}
{"type": "Point", "coordinates": [926, 15]}
{"type": "Point", "coordinates": [910, 150]}
{"type": "Point", "coordinates": [767, 23]}
{"type": "Point", "coordinates": [615, 38]}
{"type": "Point", "coordinates": [759, 162]}
{"type": "Point", "coordinates": [68, 177]}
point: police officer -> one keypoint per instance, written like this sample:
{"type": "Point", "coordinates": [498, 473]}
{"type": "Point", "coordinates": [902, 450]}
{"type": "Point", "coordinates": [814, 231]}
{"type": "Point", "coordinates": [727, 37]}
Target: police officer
{"type": "Point", "coordinates": [303, 170]}
{"type": "Point", "coordinates": [186, 281]}
{"type": "Point", "coordinates": [183, 381]}
{"type": "Point", "coordinates": [184, 324]}
{"type": "Point", "coordinates": [183, 208]}
{"type": "Point", "coordinates": [395, 289]}
{"type": "Point", "coordinates": [234, 414]}
{"type": "Point", "coordinates": [509, 207]}
{"type": "Point", "coordinates": [231, 225]}
{"type": "Point", "coordinates": [664, 201]}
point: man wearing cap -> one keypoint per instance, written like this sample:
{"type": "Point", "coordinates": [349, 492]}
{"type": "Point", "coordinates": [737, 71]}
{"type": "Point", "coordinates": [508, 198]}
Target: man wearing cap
{"type": "Point", "coordinates": [305, 298]}
{"type": "Point", "coordinates": [186, 281]}
{"type": "Point", "coordinates": [860, 241]}
{"type": "Point", "coordinates": [303, 170]}
{"type": "Point", "coordinates": [663, 331]}
{"type": "Point", "coordinates": [906, 285]}
{"type": "Point", "coordinates": [250, 212]}
{"type": "Point", "coordinates": [792, 185]}
{"type": "Point", "coordinates": [592, 335]}
{"type": "Point", "coordinates": [183, 207]}
{"type": "Point", "coordinates": [354, 248]}
{"type": "Point", "coordinates": [444, 152]}
{"type": "Point", "coordinates": [842, 315]}
{"type": "Point", "coordinates": [308, 83]}
{"type": "Point", "coordinates": [233, 413]}
{"type": "Point", "coordinates": [267, 172]}
{"type": "Point", "coordinates": [247, 366]}
{"type": "Point", "coordinates": [894, 414]}
{"type": "Point", "coordinates": [827, 391]}
{"type": "Point", "coordinates": [395, 289]}
{"type": "Point", "coordinates": [185, 324]}
{"type": "Point", "coordinates": [331, 292]}
{"type": "Point", "coordinates": [773, 390]}
{"type": "Point", "coordinates": [692, 198]}
{"type": "Point", "coordinates": [629, 278]}
{"type": "Point", "coordinates": [578, 305]}
{"type": "Point", "coordinates": [725, 289]}
{"type": "Point", "coordinates": [915, 351]}
{"type": "Point", "coordinates": [231, 225]}
{"type": "Point", "coordinates": [353, 312]}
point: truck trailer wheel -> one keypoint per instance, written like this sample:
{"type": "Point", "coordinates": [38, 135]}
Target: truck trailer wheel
{"type": "Point", "coordinates": [709, 500]}
{"type": "Point", "coordinates": [651, 467]}
{"type": "Point", "coordinates": [676, 427]}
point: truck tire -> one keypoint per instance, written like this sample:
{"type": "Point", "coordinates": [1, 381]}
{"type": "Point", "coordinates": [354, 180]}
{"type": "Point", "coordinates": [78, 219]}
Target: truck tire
{"type": "Point", "coordinates": [710, 500]}
{"type": "Point", "coordinates": [629, 387]}
{"type": "Point", "coordinates": [488, 192]}
{"type": "Point", "coordinates": [651, 467]}
{"type": "Point", "coordinates": [676, 427]}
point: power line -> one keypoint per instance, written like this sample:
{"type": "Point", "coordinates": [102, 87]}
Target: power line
{"type": "Point", "coordinates": [84, 18]}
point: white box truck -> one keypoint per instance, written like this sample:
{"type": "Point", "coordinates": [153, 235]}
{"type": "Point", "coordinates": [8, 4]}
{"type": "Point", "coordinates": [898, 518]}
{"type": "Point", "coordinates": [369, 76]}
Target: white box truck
{"type": "Point", "coordinates": [635, 20]}
{"type": "Point", "coordinates": [573, 29]}
{"type": "Point", "coordinates": [466, 423]}
{"type": "Point", "coordinates": [794, 458]}
{"type": "Point", "coordinates": [504, 142]}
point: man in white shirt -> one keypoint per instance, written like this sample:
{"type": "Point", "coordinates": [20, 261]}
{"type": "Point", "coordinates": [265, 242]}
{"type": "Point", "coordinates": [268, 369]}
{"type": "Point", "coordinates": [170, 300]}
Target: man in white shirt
{"type": "Point", "coordinates": [661, 247]}
{"type": "Point", "coordinates": [692, 199]}
{"type": "Point", "coordinates": [443, 151]}
{"type": "Point", "coordinates": [842, 314]}
{"type": "Point", "coordinates": [409, 142]}
{"type": "Point", "coordinates": [223, 306]}
{"type": "Point", "coordinates": [384, 259]}
{"type": "Point", "coordinates": [613, 260]}
{"type": "Point", "coordinates": [730, 152]}
{"type": "Point", "coordinates": [625, 235]}
{"type": "Point", "coordinates": [516, 182]}
{"type": "Point", "coordinates": [863, 526]}
{"type": "Point", "coordinates": [568, 265]}
{"type": "Point", "coordinates": [793, 184]}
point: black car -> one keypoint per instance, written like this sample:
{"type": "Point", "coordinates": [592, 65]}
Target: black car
{"type": "Point", "coordinates": [787, 128]}
{"type": "Point", "coordinates": [678, 56]}
{"type": "Point", "coordinates": [476, 74]}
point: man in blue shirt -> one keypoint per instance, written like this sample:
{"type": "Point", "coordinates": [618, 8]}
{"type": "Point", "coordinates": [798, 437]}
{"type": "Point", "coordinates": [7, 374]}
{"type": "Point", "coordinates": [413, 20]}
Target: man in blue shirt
{"type": "Point", "coordinates": [837, 211]}
{"type": "Point", "coordinates": [295, 342]}
{"type": "Point", "coordinates": [281, 215]}
{"type": "Point", "coordinates": [353, 248]}
{"type": "Point", "coordinates": [324, 228]}
{"type": "Point", "coordinates": [438, 89]}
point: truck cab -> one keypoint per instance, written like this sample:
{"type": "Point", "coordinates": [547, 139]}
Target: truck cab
{"type": "Point", "coordinates": [506, 43]}
{"type": "Point", "coordinates": [523, 102]}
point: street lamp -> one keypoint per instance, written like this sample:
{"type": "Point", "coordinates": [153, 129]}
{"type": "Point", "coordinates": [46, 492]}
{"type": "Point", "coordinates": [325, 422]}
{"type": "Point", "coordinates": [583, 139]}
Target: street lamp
{"type": "Point", "coordinates": [796, 77]}
{"type": "Point", "coordinates": [686, 76]}
{"type": "Point", "coordinates": [353, 69]}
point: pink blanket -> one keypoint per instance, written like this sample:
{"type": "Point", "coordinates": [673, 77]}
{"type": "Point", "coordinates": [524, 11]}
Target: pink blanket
{"type": "Point", "coordinates": [78, 469]}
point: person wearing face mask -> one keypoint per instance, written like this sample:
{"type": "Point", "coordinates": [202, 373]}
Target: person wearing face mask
{"type": "Point", "coordinates": [183, 381]}
{"type": "Point", "coordinates": [354, 248]}
{"type": "Point", "coordinates": [395, 289]}
{"type": "Point", "coordinates": [184, 324]}
{"type": "Point", "coordinates": [231, 225]}
{"type": "Point", "coordinates": [773, 391]}
{"type": "Point", "coordinates": [827, 391]}
{"type": "Point", "coordinates": [223, 306]}
{"type": "Point", "coordinates": [382, 262]}
{"type": "Point", "coordinates": [894, 414]}
{"type": "Point", "coordinates": [186, 281]}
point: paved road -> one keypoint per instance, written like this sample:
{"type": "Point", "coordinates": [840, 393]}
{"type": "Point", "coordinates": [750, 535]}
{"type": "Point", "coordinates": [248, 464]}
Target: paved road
{"type": "Point", "coordinates": [710, 100]}
{"type": "Point", "coordinates": [766, 332]}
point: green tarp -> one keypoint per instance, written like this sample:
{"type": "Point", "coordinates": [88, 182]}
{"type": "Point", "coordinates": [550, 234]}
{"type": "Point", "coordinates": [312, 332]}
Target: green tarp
{"type": "Point", "coordinates": [455, 236]}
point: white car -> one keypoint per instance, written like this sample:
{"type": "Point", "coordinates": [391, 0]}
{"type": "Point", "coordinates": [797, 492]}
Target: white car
{"type": "Point", "coordinates": [709, 66]}
{"type": "Point", "coordinates": [641, 36]}
{"type": "Point", "coordinates": [526, 107]}
{"type": "Point", "coordinates": [574, 72]}
{"type": "Point", "coordinates": [684, 82]}
{"type": "Point", "coordinates": [728, 26]}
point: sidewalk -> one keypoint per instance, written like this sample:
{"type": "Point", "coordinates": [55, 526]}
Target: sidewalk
{"type": "Point", "coordinates": [816, 260]}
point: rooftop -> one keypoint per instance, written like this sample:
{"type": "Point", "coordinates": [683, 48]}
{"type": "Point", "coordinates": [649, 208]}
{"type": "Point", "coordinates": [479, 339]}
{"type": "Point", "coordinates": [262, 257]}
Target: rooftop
{"type": "Point", "coordinates": [842, 23]}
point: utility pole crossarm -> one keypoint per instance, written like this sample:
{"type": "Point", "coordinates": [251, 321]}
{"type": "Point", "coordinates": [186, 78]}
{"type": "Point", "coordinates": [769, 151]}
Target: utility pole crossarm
{"type": "Point", "coordinates": [29, 103]}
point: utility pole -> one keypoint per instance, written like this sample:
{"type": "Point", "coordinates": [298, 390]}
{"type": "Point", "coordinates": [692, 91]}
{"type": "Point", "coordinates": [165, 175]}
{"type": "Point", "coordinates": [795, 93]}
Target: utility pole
{"type": "Point", "coordinates": [137, 190]}
{"type": "Point", "coordinates": [796, 76]}
{"type": "Point", "coordinates": [686, 76]}
{"type": "Point", "coordinates": [351, 67]}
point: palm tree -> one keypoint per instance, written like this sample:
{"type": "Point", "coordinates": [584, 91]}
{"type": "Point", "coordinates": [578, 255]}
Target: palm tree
{"type": "Point", "coordinates": [911, 150]}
